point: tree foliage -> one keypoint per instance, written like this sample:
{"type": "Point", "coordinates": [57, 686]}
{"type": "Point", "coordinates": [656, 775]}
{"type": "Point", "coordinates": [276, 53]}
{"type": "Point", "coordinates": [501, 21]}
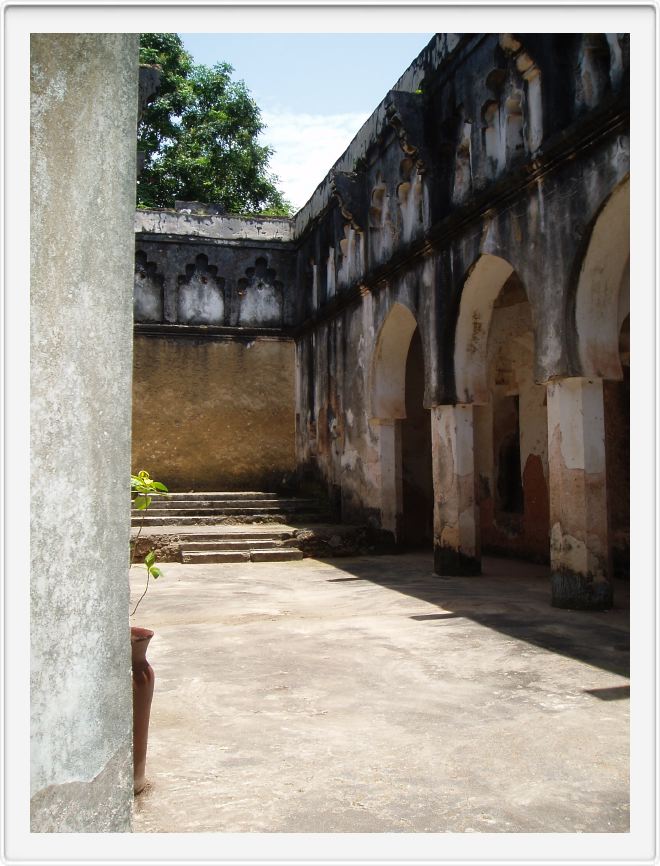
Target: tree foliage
{"type": "Point", "coordinates": [199, 136]}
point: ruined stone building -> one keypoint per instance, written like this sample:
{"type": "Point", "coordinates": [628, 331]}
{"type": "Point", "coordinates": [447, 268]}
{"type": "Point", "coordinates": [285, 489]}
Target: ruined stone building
{"type": "Point", "coordinates": [439, 338]}
{"type": "Point", "coordinates": [438, 341]}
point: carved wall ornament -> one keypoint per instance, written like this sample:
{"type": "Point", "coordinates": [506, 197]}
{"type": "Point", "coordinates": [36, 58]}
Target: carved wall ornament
{"type": "Point", "coordinates": [201, 298]}
{"type": "Point", "coordinates": [349, 190]}
{"type": "Point", "coordinates": [260, 296]}
{"type": "Point", "coordinates": [405, 113]}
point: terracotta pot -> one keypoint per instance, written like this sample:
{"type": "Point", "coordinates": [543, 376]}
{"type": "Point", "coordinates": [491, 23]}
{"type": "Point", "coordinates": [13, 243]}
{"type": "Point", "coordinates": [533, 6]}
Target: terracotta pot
{"type": "Point", "coordinates": [143, 692]}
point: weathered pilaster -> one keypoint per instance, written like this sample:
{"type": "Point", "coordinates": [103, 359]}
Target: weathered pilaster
{"type": "Point", "coordinates": [391, 490]}
{"type": "Point", "coordinates": [578, 500]}
{"type": "Point", "coordinates": [456, 516]}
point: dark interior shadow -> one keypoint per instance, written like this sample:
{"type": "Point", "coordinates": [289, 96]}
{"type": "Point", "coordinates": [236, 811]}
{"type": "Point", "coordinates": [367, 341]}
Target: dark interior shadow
{"type": "Point", "coordinates": [511, 597]}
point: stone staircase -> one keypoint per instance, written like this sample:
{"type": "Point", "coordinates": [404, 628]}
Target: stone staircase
{"type": "Point", "coordinates": [275, 545]}
{"type": "Point", "coordinates": [242, 526]}
{"type": "Point", "coordinates": [197, 509]}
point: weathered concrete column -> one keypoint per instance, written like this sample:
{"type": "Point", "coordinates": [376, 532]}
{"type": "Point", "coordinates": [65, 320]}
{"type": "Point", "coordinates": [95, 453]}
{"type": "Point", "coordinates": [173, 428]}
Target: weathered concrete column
{"type": "Point", "coordinates": [84, 90]}
{"type": "Point", "coordinates": [391, 484]}
{"type": "Point", "coordinates": [578, 500]}
{"type": "Point", "coordinates": [456, 542]}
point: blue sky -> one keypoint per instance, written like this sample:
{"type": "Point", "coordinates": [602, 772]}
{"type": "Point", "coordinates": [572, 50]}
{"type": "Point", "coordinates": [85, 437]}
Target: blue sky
{"type": "Point", "coordinates": [315, 90]}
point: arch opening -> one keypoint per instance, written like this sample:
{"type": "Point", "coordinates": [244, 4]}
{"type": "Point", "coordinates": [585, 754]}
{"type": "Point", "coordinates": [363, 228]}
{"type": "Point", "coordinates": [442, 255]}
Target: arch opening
{"type": "Point", "coordinates": [511, 435]}
{"type": "Point", "coordinates": [388, 374]}
{"type": "Point", "coordinates": [598, 316]}
{"type": "Point", "coordinates": [404, 429]}
{"type": "Point", "coordinates": [494, 368]}
{"type": "Point", "coordinates": [482, 286]}
{"type": "Point", "coordinates": [416, 461]}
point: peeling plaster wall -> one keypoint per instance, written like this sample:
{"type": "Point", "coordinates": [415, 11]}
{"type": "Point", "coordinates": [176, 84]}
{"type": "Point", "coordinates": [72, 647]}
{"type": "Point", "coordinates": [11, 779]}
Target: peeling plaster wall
{"type": "Point", "coordinates": [341, 421]}
{"type": "Point", "coordinates": [83, 120]}
{"type": "Point", "coordinates": [214, 414]}
{"type": "Point", "coordinates": [579, 542]}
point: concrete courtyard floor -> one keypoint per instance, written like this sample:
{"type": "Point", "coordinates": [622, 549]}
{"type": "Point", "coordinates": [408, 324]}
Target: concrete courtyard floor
{"type": "Point", "coordinates": [368, 695]}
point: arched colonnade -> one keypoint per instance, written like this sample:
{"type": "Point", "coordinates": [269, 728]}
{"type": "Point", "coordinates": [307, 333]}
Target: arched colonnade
{"type": "Point", "coordinates": [518, 466]}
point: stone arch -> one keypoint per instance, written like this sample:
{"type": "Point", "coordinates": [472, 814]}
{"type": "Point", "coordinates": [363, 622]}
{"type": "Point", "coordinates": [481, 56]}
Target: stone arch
{"type": "Point", "coordinates": [404, 440]}
{"type": "Point", "coordinates": [480, 290]}
{"type": "Point", "coordinates": [511, 443]}
{"type": "Point", "coordinates": [602, 295]}
{"type": "Point", "coordinates": [388, 369]}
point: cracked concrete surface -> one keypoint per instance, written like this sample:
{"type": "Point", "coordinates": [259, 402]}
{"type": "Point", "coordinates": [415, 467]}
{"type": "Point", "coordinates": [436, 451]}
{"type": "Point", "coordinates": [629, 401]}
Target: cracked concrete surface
{"type": "Point", "coordinates": [368, 695]}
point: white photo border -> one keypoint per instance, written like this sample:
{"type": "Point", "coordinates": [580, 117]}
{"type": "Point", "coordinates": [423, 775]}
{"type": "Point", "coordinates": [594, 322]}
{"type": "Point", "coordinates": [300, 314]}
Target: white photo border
{"type": "Point", "coordinates": [640, 845]}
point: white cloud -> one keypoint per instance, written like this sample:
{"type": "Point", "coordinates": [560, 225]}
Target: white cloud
{"type": "Point", "coordinates": [306, 147]}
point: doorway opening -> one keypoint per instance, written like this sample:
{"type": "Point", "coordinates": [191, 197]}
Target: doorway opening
{"type": "Point", "coordinates": [417, 471]}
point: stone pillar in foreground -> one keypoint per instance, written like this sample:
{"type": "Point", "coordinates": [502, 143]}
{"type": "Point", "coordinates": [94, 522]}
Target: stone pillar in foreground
{"type": "Point", "coordinates": [391, 492]}
{"type": "Point", "coordinates": [578, 500]}
{"type": "Point", "coordinates": [84, 90]}
{"type": "Point", "coordinates": [456, 542]}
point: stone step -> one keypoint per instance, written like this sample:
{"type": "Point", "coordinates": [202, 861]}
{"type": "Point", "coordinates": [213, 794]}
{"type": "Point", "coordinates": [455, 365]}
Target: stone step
{"type": "Point", "coordinates": [218, 496]}
{"type": "Point", "coordinates": [212, 556]}
{"type": "Point", "coordinates": [241, 535]}
{"type": "Point", "coordinates": [288, 554]}
{"type": "Point", "coordinates": [187, 504]}
{"type": "Point", "coordinates": [170, 519]}
{"type": "Point", "coordinates": [209, 511]}
{"type": "Point", "coordinates": [224, 510]}
{"type": "Point", "coordinates": [280, 554]}
{"type": "Point", "coordinates": [228, 544]}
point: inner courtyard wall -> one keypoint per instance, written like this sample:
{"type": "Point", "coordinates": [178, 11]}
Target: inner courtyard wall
{"type": "Point", "coordinates": [214, 414]}
{"type": "Point", "coordinates": [213, 374]}
{"type": "Point", "coordinates": [493, 154]}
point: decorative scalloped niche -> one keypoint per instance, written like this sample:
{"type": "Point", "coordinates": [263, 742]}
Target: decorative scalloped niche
{"type": "Point", "coordinates": [410, 193]}
{"type": "Point", "coordinates": [260, 297]}
{"type": "Point", "coordinates": [147, 291]}
{"type": "Point", "coordinates": [201, 298]}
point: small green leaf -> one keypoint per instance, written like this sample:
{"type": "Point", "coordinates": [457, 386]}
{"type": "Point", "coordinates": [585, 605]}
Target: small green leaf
{"type": "Point", "coordinates": [150, 558]}
{"type": "Point", "coordinates": [155, 572]}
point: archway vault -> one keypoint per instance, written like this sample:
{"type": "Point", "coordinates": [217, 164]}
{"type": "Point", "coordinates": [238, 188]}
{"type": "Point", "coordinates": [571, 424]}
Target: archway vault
{"type": "Point", "coordinates": [602, 298]}
{"type": "Point", "coordinates": [388, 369]}
{"type": "Point", "coordinates": [482, 286]}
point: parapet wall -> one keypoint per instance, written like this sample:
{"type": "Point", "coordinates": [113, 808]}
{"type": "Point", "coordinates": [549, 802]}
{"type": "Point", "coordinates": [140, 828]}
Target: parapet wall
{"type": "Point", "coordinates": [222, 272]}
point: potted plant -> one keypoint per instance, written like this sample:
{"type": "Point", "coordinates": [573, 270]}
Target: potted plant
{"type": "Point", "coordinates": [143, 490]}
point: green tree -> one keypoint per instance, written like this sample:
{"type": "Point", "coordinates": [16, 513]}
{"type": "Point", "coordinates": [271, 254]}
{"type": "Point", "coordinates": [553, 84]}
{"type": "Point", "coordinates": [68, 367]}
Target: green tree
{"type": "Point", "coordinates": [199, 136]}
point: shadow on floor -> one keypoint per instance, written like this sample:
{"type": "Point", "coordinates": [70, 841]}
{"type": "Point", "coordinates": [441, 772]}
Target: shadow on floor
{"type": "Point", "coordinates": [511, 597]}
